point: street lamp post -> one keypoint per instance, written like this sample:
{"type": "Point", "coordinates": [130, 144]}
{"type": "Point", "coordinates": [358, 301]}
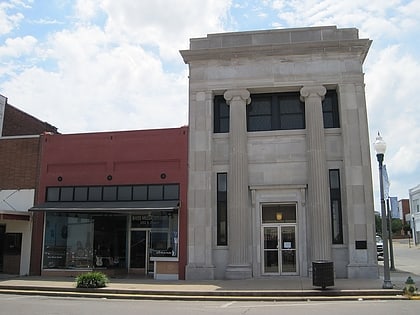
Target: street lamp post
{"type": "Point", "coordinates": [380, 148]}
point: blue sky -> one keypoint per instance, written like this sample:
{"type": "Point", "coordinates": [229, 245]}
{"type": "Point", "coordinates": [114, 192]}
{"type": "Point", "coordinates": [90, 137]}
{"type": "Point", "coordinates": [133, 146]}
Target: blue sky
{"type": "Point", "coordinates": [99, 65]}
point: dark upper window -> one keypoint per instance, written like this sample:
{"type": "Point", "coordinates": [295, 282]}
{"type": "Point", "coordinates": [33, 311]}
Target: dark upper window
{"type": "Point", "coordinates": [330, 110]}
{"type": "Point", "coordinates": [125, 193]}
{"type": "Point", "coordinates": [276, 111]}
{"type": "Point", "coordinates": [221, 114]}
{"type": "Point", "coordinates": [110, 193]}
{"type": "Point", "coordinates": [80, 193]}
{"type": "Point", "coordinates": [113, 193]}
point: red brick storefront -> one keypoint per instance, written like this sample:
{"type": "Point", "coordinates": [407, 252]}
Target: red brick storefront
{"type": "Point", "coordinates": [99, 177]}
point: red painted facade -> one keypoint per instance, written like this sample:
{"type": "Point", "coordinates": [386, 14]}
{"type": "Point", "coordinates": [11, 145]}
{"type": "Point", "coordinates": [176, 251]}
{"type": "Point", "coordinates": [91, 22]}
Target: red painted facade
{"type": "Point", "coordinates": [114, 158]}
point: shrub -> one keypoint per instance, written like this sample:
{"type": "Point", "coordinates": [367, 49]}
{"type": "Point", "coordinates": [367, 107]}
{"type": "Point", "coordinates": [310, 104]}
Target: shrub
{"type": "Point", "coordinates": [91, 279]}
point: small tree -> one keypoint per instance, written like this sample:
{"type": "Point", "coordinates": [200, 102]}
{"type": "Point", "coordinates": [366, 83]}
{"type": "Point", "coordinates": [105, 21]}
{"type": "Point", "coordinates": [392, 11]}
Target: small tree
{"type": "Point", "coordinates": [396, 226]}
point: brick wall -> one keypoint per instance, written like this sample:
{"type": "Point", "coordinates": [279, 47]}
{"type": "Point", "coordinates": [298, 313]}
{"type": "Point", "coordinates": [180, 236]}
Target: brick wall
{"type": "Point", "coordinates": [19, 162]}
{"type": "Point", "coordinates": [18, 123]}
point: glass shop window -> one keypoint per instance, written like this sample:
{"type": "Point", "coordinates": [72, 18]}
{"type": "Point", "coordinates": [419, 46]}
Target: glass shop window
{"type": "Point", "coordinates": [68, 241]}
{"type": "Point", "coordinates": [164, 234]}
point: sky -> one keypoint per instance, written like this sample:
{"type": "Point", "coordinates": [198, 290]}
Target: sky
{"type": "Point", "coordinates": [102, 65]}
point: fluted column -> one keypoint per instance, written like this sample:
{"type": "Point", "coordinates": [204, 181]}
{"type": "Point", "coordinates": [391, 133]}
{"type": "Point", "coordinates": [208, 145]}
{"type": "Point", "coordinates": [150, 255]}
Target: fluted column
{"type": "Point", "coordinates": [239, 266]}
{"type": "Point", "coordinates": [318, 188]}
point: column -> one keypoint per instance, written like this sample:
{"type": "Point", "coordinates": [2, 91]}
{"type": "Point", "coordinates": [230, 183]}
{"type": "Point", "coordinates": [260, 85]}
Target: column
{"type": "Point", "coordinates": [239, 215]}
{"type": "Point", "coordinates": [318, 187]}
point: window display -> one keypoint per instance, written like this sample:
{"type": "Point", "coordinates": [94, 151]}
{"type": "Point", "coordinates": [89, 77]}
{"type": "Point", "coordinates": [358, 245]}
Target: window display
{"type": "Point", "coordinates": [68, 241]}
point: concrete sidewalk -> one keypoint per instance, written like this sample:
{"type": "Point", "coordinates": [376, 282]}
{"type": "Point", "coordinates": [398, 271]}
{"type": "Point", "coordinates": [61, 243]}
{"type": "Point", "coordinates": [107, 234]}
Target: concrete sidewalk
{"type": "Point", "coordinates": [289, 288]}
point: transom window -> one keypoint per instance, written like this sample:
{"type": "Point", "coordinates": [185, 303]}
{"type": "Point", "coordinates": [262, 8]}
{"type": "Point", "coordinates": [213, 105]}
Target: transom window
{"type": "Point", "coordinates": [279, 213]}
{"type": "Point", "coordinates": [113, 193]}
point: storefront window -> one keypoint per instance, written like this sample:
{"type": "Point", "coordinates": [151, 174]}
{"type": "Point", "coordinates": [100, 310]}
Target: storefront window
{"type": "Point", "coordinates": [164, 234]}
{"type": "Point", "coordinates": [68, 241]}
{"type": "Point", "coordinates": [99, 240]}
{"type": "Point", "coordinates": [84, 241]}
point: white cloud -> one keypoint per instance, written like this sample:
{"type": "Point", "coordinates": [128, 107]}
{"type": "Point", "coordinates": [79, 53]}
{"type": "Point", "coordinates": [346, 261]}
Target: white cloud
{"type": "Point", "coordinates": [114, 77]}
{"type": "Point", "coordinates": [375, 18]}
{"type": "Point", "coordinates": [167, 25]}
{"type": "Point", "coordinates": [15, 47]}
{"type": "Point", "coordinates": [8, 20]}
{"type": "Point", "coordinates": [100, 85]}
{"type": "Point", "coordinates": [85, 10]}
{"type": "Point", "coordinates": [391, 85]}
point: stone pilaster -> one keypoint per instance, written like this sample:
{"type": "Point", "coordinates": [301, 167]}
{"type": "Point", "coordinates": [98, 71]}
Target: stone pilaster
{"type": "Point", "coordinates": [239, 266]}
{"type": "Point", "coordinates": [318, 187]}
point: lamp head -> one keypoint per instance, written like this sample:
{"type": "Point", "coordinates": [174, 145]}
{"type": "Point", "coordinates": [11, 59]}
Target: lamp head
{"type": "Point", "coordinates": [379, 145]}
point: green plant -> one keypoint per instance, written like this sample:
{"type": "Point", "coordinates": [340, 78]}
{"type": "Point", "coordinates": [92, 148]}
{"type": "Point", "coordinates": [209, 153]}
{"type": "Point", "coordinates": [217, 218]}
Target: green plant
{"type": "Point", "coordinates": [91, 279]}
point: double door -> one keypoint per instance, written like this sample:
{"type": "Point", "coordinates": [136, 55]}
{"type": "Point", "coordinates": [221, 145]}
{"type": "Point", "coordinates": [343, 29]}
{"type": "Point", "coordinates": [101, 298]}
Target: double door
{"type": "Point", "coordinates": [279, 249]}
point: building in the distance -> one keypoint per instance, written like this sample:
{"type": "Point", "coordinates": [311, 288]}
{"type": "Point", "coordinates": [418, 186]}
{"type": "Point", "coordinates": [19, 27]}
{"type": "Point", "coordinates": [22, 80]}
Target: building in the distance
{"type": "Point", "coordinates": [114, 202]}
{"type": "Point", "coordinates": [414, 197]}
{"type": "Point", "coordinates": [279, 155]}
{"type": "Point", "coordinates": [404, 206]}
{"type": "Point", "coordinates": [19, 165]}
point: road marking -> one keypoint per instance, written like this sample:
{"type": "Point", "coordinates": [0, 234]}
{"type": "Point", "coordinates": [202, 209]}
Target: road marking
{"type": "Point", "coordinates": [227, 304]}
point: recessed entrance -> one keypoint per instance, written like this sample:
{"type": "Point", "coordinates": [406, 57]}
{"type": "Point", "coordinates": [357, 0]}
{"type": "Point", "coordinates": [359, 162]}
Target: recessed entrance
{"type": "Point", "coordinates": [139, 258]}
{"type": "Point", "coordinates": [279, 252]}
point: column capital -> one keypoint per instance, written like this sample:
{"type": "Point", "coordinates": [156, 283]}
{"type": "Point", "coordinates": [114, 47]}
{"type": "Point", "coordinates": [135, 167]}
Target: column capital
{"type": "Point", "coordinates": [237, 95]}
{"type": "Point", "coordinates": [312, 91]}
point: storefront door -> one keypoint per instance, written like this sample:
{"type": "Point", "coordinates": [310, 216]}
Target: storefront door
{"type": "Point", "coordinates": [139, 258]}
{"type": "Point", "coordinates": [279, 250]}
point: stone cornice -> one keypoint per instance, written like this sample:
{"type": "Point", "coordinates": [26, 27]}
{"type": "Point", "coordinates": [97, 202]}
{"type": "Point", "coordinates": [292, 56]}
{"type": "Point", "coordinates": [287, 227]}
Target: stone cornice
{"type": "Point", "coordinates": [323, 41]}
{"type": "Point", "coordinates": [358, 48]}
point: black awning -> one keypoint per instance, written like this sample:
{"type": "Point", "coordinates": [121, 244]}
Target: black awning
{"type": "Point", "coordinates": [108, 206]}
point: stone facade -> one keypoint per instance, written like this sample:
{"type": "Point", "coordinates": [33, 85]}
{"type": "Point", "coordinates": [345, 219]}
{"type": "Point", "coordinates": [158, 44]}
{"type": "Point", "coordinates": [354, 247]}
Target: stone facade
{"type": "Point", "coordinates": [279, 166]}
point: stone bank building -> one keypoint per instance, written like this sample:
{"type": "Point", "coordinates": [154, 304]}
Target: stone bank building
{"type": "Point", "coordinates": [279, 158]}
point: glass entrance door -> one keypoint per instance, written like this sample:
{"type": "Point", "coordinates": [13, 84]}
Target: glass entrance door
{"type": "Point", "coordinates": [288, 249]}
{"type": "Point", "coordinates": [139, 243]}
{"type": "Point", "coordinates": [279, 249]}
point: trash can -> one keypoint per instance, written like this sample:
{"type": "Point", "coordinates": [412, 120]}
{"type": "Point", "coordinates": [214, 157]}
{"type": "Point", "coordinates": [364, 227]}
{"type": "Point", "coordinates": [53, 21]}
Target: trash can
{"type": "Point", "coordinates": [322, 273]}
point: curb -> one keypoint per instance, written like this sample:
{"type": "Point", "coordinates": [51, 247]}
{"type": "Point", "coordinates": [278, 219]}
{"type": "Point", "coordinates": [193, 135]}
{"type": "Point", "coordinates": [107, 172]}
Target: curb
{"type": "Point", "coordinates": [308, 295]}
